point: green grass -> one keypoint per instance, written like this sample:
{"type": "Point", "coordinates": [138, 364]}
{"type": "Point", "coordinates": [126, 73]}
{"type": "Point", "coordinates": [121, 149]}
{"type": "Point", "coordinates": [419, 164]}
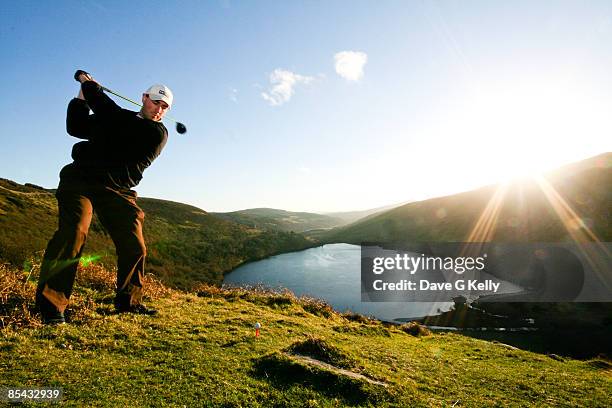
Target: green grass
{"type": "Point", "coordinates": [201, 351]}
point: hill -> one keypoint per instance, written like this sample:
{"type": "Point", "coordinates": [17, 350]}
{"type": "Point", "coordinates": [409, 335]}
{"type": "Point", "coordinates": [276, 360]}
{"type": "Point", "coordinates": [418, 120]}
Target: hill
{"type": "Point", "coordinates": [527, 210]}
{"type": "Point", "coordinates": [352, 216]}
{"type": "Point", "coordinates": [185, 244]}
{"type": "Point", "coordinates": [200, 350]}
{"type": "Point", "coordinates": [281, 220]}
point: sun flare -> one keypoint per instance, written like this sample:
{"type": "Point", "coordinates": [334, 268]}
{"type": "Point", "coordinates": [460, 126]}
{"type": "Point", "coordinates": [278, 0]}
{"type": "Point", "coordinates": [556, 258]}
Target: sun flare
{"type": "Point", "coordinates": [514, 131]}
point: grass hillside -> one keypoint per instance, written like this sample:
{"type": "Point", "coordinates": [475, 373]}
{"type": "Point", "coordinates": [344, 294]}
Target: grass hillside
{"type": "Point", "coordinates": [524, 214]}
{"type": "Point", "coordinates": [185, 244]}
{"type": "Point", "coordinates": [281, 220]}
{"type": "Point", "coordinates": [201, 351]}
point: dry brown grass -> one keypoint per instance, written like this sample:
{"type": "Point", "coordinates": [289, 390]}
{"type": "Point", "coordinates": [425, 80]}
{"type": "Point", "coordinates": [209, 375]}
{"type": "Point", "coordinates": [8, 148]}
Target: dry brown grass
{"type": "Point", "coordinates": [18, 287]}
{"type": "Point", "coordinates": [97, 277]}
{"type": "Point", "coordinates": [253, 293]}
{"type": "Point", "coordinates": [415, 329]}
{"type": "Point", "coordinates": [266, 296]}
{"type": "Point", "coordinates": [359, 318]}
{"type": "Point", "coordinates": [319, 349]}
{"type": "Point", "coordinates": [16, 298]}
{"type": "Point", "coordinates": [317, 307]}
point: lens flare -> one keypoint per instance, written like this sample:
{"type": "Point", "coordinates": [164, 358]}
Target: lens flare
{"type": "Point", "coordinates": [87, 260]}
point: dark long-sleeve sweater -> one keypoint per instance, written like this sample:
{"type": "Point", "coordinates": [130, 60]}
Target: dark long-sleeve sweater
{"type": "Point", "coordinates": [118, 145]}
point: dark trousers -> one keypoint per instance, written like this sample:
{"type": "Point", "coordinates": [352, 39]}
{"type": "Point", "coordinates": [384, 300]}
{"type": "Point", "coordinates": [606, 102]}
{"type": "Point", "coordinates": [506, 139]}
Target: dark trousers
{"type": "Point", "coordinates": [122, 218]}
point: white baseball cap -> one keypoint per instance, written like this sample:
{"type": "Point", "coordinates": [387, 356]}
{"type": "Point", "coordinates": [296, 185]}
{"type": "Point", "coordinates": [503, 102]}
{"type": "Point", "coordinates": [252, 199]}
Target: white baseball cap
{"type": "Point", "coordinates": [160, 92]}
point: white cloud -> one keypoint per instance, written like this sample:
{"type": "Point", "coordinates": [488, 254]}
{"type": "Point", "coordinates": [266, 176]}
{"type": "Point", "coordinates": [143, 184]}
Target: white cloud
{"type": "Point", "coordinates": [283, 83]}
{"type": "Point", "coordinates": [233, 95]}
{"type": "Point", "coordinates": [349, 64]}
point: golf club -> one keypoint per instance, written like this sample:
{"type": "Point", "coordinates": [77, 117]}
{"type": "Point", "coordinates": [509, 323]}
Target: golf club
{"type": "Point", "coordinates": [180, 128]}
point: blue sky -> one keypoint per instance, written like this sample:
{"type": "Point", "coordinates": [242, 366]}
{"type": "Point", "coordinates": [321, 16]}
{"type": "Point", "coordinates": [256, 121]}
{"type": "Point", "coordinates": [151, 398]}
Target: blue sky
{"type": "Point", "coordinates": [433, 97]}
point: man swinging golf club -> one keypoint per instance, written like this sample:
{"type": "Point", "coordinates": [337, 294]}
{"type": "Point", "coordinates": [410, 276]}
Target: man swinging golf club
{"type": "Point", "coordinates": [118, 146]}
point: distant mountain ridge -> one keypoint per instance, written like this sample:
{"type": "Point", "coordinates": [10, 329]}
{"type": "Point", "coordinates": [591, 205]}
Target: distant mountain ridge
{"type": "Point", "coordinates": [313, 224]}
{"type": "Point", "coordinates": [281, 220]}
{"type": "Point", "coordinates": [352, 216]}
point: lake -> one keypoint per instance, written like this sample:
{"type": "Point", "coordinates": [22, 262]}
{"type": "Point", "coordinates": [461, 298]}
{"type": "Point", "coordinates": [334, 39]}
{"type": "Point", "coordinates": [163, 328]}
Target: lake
{"type": "Point", "coordinates": [330, 272]}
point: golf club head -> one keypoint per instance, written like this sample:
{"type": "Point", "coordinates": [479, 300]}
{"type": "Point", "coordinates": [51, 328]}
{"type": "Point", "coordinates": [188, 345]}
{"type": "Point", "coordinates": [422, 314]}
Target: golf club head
{"type": "Point", "coordinates": [180, 128]}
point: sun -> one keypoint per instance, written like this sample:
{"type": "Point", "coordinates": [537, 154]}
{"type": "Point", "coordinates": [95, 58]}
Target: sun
{"type": "Point", "coordinates": [509, 131]}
